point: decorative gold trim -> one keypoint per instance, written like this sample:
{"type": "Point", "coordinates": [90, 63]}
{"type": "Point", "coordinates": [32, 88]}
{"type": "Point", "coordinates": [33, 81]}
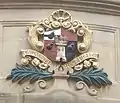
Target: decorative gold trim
{"type": "Point", "coordinates": [58, 19]}
{"type": "Point", "coordinates": [32, 53]}
{"type": "Point", "coordinates": [36, 68]}
{"type": "Point", "coordinates": [81, 58]}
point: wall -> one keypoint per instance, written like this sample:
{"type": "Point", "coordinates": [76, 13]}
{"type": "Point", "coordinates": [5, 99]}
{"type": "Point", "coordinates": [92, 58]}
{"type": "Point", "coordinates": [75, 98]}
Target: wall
{"type": "Point", "coordinates": [101, 17]}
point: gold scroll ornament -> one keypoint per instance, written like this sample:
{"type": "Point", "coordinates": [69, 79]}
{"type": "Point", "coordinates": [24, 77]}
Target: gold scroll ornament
{"type": "Point", "coordinates": [59, 19]}
{"type": "Point", "coordinates": [81, 58]}
{"type": "Point", "coordinates": [33, 53]}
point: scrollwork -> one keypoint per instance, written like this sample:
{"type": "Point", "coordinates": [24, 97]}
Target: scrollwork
{"type": "Point", "coordinates": [28, 89]}
{"type": "Point", "coordinates": [58, 19]}
{"type": "Point", "coordinates": [42, 84]}
{"type": "Point", "coordinates": [80, 85]}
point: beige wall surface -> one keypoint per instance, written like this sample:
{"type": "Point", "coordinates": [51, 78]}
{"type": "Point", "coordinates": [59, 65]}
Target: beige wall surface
{"type": "Point", "coordinates": [13, 38]}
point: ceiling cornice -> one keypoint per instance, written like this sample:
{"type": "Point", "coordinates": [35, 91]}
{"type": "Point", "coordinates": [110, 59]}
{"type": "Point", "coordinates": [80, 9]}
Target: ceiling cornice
{"type": "Point", "coordinates": [111, 7]}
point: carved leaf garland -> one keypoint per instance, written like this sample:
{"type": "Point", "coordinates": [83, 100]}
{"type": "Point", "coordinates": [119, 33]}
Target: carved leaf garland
{"type": "Point", "coordinates": [92, 76]}
{"type": "Point", "coordinates": [29, 73]}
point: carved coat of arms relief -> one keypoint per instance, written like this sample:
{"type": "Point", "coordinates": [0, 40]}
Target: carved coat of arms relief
{"type": "Point", "coordinates": [59, 49]}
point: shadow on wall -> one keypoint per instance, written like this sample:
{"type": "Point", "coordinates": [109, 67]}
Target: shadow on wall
{"type": "Point", "coordinates": [57, 96]}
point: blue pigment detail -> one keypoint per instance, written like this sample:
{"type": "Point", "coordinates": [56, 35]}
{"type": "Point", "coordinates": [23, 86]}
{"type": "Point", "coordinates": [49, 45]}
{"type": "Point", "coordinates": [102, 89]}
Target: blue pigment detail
{"type": "Point", "coordinates": [29, 73]}
{"type": "Point", "coordinates": [91, 77]}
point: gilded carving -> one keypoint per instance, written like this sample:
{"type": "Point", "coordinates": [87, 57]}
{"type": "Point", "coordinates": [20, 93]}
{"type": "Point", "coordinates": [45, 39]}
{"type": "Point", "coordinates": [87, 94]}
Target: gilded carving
{"type": "Point", "coordinates": [59, 48]}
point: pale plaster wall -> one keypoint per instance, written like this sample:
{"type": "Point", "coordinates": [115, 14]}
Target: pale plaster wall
{"type": "Point", "coordinates": [13, 37]}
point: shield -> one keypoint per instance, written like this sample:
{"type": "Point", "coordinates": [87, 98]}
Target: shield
{"type": "Point", "coordinates": [60, 45]}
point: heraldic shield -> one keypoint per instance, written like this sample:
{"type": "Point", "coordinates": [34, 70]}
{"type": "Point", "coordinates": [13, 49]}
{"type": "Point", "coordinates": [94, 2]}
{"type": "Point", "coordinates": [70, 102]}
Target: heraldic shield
{"type": "Point", "coordinates": [60, 45]}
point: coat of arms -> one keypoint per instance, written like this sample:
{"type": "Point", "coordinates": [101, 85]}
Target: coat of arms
{"type": "Point", "coordinates": [60, 45]}
{"type": "Point", "coordinates": [60, 50]}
